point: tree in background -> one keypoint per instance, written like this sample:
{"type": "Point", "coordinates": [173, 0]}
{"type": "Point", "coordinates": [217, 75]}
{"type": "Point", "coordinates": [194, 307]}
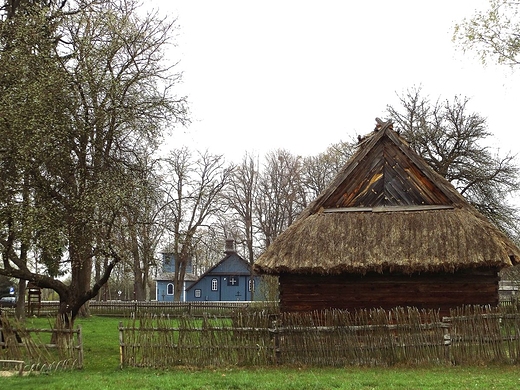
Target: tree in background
{"type": "Point", "coordinates": [318, 171]}
{"type": "Point", "coordinates": [493, 33]}
{"type": "Point", "coordinates": [193, 190]}
{"type": "Point", "coordinates": [452, 140]}
{"type": "Point", "coordinates": [240, 198]}
{"type": "Point", "coordinates": [280, 196]}
{"type": "Point", "coordinates": [82, 88]}
{"type": "Point", "coordinates": [142, 224]}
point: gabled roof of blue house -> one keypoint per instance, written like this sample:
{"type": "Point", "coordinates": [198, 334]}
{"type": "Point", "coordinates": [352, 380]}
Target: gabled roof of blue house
{"type": "Point", "coordinates": [231, 264]}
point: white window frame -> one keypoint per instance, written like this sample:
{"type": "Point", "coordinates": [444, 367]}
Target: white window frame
{"type": "Point", "coordinates": [214, 284]}
{"type": "Point", "coordinates": [198, 293]}
{"type": "Point", "coordinates": [168, 289]}
{"type": "Point", "coordinates": [251, 285]}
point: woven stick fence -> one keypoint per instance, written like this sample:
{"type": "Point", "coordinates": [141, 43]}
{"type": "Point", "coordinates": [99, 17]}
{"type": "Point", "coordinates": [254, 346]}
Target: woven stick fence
{"type": "Point", "coordinates": [328, 338]}
{"type": "Point", "coordinates": [178, 309]}
{"type": "Point", "coordinates": [58, 347]}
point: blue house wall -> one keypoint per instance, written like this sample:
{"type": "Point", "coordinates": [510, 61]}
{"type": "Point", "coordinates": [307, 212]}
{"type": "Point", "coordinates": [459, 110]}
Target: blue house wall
{"type": "Point", "coordinates": [229, 280]}
{"type": "Point", "coordinates": [164, 290]}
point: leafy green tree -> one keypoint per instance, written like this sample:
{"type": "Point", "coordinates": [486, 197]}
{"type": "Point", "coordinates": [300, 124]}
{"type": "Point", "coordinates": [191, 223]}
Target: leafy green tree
{"type": "Point", "coordinates": [82, 88]}
{"type": "Point", "coordinates": [493, 33]}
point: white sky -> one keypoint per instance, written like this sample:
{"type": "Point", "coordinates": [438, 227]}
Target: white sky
{"type": "Point", "coordinates": [301, 75]}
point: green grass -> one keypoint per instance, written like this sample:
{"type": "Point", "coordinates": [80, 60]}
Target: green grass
{"type": "Point", "coordinates": [102, 371]}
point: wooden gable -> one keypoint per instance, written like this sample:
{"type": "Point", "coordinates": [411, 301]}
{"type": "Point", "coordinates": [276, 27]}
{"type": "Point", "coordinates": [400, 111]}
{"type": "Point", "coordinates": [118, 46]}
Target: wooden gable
{"type": "Point", "coordinates": [386, 175]}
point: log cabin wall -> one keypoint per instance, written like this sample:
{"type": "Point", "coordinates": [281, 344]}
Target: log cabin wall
{"type": "Point", "coordinates": [302, 292]}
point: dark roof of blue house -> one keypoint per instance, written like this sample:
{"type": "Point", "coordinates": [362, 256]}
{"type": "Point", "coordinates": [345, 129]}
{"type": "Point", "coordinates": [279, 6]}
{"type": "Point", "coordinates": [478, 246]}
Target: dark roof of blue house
{"type": "Point", "coordinates": [231, 264]}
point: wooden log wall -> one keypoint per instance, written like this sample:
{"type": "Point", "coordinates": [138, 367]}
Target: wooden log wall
{"type": "Point", "coordinates": [439, 291]}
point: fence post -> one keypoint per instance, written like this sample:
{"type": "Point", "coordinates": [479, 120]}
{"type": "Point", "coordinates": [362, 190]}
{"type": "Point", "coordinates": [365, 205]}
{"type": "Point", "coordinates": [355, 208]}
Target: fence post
{"type": "Point", "coordinates": [275, 337]}
{"type": "Point", "coordinates": [121, 345]}
{"type": "Point", "coordinates": [80, 346]}
{"type": "Point", "coordinates": [447, 338]}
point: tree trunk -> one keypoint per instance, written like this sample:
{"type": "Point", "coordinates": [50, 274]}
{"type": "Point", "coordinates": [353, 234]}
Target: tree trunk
{"type": "Point", "coordinates": [139, 287]}
{"type": "Point", "coordinates": [139, 290]}
{"type": "Point", "coordinates": [180, 272]}
{"type": "Point", "coordinates": [20, 304]}
{"type": "Point", "coordinates": [81, 261]}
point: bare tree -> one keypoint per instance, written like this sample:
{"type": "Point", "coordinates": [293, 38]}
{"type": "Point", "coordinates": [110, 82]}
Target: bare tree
{"type": "Point", "coordinates": [452, 140]}
{"type": "Point", "coordinates": [193, 191]}
{"type": "Point", "coordinates": [280, 194]}
{"type": "Point", "coordinates": [318, 171]}
{"type": "Point", "coordinates": [240, 196]}
{"type": "Point", "coordinates": [142, 223]}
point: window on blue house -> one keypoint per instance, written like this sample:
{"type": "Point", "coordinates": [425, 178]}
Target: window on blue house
{"type": "Point", "coordinates": [214, 284]}
{"type": "Point", "coordinates": [233, 281]}
{"type": "Point", "coordinates": [169, 289]}
{"type": "Point", "coordinates": [251, 286]}
{"type": "Point", "coordinates": [198, 293]}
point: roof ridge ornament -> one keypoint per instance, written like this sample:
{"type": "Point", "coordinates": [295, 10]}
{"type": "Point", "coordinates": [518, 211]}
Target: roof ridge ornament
{"type": "Point", "coordinates": [380, 124]}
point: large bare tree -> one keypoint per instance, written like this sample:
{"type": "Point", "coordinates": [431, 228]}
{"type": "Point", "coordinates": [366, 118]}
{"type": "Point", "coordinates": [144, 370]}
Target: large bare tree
{"type": "Point", "coordinates": [141, 224]}
{"type": "Point", "coordinates": [194, 186]}
{"type": "Point", "coordinates": [280, 195]}
{"type": "Point", "coordinates": [318, 171]}
{"type": "Point", "coordinates": [452, 139]}
{"type": "Point", "coordinates": [240, 197]}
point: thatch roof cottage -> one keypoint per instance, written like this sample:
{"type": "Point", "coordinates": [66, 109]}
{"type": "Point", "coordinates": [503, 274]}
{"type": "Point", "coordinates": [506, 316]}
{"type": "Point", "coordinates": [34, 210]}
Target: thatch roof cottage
{"type": "Point", "coordinates": [387, 232]}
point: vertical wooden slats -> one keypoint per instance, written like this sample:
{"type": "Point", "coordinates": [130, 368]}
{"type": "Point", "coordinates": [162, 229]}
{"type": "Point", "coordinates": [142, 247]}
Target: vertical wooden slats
{"type": "Point", "coordinates": [409, 336]}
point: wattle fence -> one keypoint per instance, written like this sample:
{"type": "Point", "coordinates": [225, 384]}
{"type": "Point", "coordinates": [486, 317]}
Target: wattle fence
{"type": "Point", "coordinates": [173, 309]}
{"type": "Point", "coordinates": [403, 336]}
{"type": "Point", "coordinates": [31, 349]}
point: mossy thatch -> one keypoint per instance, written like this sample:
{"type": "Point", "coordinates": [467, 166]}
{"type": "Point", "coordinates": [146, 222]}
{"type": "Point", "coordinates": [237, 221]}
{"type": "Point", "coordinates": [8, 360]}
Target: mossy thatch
{"type": "Point", "coordinates": [405, 242]}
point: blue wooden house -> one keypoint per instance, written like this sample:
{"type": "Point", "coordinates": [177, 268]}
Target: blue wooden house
{"type": "Point", "coordinates": [164, 281]}
{"type": "Point", "coordinates": [229, 280]}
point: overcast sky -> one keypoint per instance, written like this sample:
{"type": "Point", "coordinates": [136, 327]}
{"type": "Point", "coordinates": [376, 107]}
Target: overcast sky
{"type": "Point", "coordinates": [301, 75]}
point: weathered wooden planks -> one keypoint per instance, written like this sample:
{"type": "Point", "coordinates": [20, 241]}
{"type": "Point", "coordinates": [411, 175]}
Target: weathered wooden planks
{"type": "Point", "coordinates": [429, 290]}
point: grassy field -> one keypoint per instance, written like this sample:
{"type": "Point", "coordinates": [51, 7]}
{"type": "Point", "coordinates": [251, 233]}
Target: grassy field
{"type": "Point", "coordinates": [102, 371]}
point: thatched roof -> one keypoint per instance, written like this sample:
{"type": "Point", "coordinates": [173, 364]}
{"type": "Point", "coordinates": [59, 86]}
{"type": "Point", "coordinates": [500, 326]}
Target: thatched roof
{"type": "Point", "coordinates": [388, 211]}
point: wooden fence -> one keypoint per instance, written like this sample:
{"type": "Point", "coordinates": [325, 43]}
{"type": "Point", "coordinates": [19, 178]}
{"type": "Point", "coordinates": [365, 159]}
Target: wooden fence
{"type": "Point", "coordinates": [197, 309]}
{"type": "Point", "coordinates": [471, 335]}
{"type": "Point", "coordinates": [39, 349]}
{"type": "Point", "coordinates": [137, 308]}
